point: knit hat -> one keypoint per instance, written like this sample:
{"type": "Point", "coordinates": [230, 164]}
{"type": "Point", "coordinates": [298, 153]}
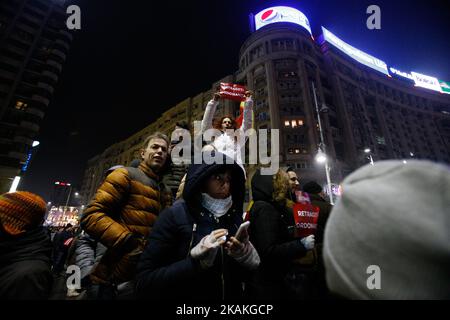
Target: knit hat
{"type": "Point", "coordinates": [388, 237]}
{"type": "Point", "coordinates": [21, 211]}
{"type": "Point", "coordinates": [312, 187]}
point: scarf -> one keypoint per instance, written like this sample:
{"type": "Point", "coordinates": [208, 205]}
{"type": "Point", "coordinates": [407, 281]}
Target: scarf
{"type": "Point", "coordinates": [218, 207]}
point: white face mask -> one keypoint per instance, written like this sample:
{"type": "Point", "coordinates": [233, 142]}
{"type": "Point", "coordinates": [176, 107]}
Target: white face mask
{"type": "Point", "coordinates": [218, 207]}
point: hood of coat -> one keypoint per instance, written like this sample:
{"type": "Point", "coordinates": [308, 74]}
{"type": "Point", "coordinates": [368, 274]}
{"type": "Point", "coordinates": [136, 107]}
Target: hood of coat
{"type": "Point", "coordinates": [198, 173]}
{"type": "Point", "coordinates": [272, 188]}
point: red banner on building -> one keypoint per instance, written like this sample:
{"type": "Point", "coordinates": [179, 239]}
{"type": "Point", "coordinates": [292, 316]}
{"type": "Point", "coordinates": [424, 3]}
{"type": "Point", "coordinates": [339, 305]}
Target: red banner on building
{"type": "Point", "coordinates": [232, 91]}
{"type": "Point", "coordinates": [306, 217]}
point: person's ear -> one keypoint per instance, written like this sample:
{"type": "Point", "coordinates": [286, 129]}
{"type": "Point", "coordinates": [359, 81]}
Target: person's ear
{"type": "Point", "coordinates": [142, 153]}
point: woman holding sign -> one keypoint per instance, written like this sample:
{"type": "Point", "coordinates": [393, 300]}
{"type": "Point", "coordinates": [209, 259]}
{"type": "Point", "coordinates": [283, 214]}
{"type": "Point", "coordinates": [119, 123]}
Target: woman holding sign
{"type": "Point", "coordinates": [232, 139]}
{"type": "Point", "coordinates": [274, 235]}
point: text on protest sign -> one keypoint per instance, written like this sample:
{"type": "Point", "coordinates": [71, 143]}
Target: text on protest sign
{"type": "Point", "coordinates": [232, 91]}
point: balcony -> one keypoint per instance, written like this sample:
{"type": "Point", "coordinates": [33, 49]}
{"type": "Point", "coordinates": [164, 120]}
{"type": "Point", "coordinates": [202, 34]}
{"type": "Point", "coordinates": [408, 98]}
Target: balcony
{"type": "Point", "coordinates": [46, 86]}
{"type": "Point", "coordinates": [30, 126]}
{"type": "Point", "coordinates": [36, 112]}
{"type": "Point", "coordinates": [4, 88]}
{"type": "Point", "coordinates": [18, 155]}
{"type": "Point", "coordinates": [63, 44]}
{"type": "Point", "coordinates": [51, 75]}
{"type": "Point", "coordinates": [17, 50]}
{"type": "Point", "coordinates": [55, 64]}
{"type": "Point", "coordinates": [32, 19]}
{"type": "Point", "coordinates": [23, 140]}
{"type": "Point", "coordinates": [66, 34]}
{"type": "Point", "coordinates": [11, 62]}
{"type": "Point", "coordinates": [59, 53]}
{"type": "Point", "coordinates": [40, 99]}
{"type": "Point", "coordinates": [7, 74]}
{"type": "Point", "coordinates": [26, 28]}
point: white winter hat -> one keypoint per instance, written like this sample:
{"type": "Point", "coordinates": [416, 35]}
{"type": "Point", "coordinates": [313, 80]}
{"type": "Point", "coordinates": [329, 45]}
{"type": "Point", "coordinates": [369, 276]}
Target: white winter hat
{"type": "Point", "coordinates": [394, 216]}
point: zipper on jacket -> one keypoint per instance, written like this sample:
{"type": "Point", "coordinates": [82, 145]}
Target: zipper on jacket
{"type": "Point", "coordinates": [222, 277]}
{"type": "Point", "coordinates": [194, 228]}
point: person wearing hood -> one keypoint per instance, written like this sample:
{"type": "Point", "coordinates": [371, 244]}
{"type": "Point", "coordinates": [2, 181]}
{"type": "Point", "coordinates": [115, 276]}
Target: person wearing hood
{"type": "Point", "coordinates": [317, 272]}
{"type": "Point", "coordinates": [272, 231]}
{"type": "Point", "coordinates": [25, 248]}
{"type": "Point", "coordinates": [188, 256]}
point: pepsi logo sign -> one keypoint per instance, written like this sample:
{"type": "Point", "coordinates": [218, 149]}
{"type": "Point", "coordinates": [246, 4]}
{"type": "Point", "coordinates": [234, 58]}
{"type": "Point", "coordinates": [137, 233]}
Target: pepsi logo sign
{"type": "Point", "coordinates": [269, 15]}
{"type": "Point", "coordinates": [281, 14]}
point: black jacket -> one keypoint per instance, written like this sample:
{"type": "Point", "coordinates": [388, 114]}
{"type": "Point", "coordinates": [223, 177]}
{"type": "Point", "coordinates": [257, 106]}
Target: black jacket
{"type": "Point", "coordinates": [325, 209]}
{"type": "Point", "coordinates": [25, 266]}
{"type": "Point", "coordinates": [272, 234]}
{"type": "Point", "coordinates": [167, 271]}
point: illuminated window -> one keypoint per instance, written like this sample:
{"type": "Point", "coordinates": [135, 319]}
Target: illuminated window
{"type": "Point", "coordinates": [286, 123]}
{"type": "Point", "coordinates": [294, 123]}
{"type": "Point", "coordinates": [20, 105]}
{"type": "Point", "coordinates": [297, 150]}
{"type": "Point", "coordinates": [300, 122]}
{"type": "Point", "coordinates": [290, 151]}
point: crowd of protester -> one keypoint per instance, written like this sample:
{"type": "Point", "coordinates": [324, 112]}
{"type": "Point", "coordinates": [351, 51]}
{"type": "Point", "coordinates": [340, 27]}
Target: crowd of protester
{"type": "Point", "coordinates": [160, 230]}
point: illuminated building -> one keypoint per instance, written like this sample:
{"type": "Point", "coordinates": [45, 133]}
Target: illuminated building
{"type": "Point", "coordinates": [34, 43]}
{"type": "Point", "coordinates": [368, 103]}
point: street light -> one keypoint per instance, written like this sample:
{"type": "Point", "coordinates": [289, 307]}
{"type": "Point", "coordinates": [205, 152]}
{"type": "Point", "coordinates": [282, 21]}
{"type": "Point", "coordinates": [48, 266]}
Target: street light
{"type": "Point", "coordinates": [321, 157]}
{"type": "Point", "coordinates": [321, 153]}
{"type": "Point", "coordinates": [16, 180]}
{"type": "Point", "coordinates": [68, 196]}
{"type": "Point", "coordinates": [367, 150]}
{"type": "Point", "coordinates": [14, 184]}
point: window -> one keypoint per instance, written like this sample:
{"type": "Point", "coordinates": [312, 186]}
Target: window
{"type": "Point", "coordinates": [20, 105]}
{"type": "Point", "coordinates": [300, 122]}
{"type": "Point", "coordinates": [294, 123]}
{"type": "Point", "coordinates": [297, 150]}
{"type": "Point", "coordinates": [290, 150]}
{"type": "Point", "coordinates": [286, 123]}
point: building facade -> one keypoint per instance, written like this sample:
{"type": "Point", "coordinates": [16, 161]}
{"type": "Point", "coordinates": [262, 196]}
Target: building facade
{"type": "Point", "coordinates": [34, 43]}
{"type": "Point", "coordinates": [360, 108]}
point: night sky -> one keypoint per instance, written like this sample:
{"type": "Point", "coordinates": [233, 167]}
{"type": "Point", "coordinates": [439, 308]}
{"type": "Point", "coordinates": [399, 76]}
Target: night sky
{"type": "Point", "coordinates": [133, 60]}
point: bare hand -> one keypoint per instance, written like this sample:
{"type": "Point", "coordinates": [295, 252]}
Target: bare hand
{"type": "Point", "coordinates": [216, 96]}
{"type": "Point", "coordinates": [234, 245]}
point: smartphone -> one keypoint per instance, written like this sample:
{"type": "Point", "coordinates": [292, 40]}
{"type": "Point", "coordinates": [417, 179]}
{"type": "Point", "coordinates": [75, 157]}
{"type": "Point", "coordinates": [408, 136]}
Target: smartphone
{"type": "Point", "coordinates": [240, 233]}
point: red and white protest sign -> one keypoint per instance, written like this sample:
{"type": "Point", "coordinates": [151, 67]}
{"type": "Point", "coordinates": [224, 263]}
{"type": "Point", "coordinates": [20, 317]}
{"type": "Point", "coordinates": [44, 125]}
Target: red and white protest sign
{"type": "Point", "coordinates": [232, 91]}
{"type": "Point", "coordinates": [306, 216]}
{"type": "Point", "coordinates": [302, 197]}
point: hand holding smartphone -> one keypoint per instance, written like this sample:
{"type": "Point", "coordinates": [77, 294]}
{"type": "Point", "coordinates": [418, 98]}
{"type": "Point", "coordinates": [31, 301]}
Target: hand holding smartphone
{"type": "Point", "coordinates": [242, 232]}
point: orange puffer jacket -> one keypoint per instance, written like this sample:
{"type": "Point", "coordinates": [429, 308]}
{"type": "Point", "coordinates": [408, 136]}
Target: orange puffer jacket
{"type": "Point", "coordinates": [125, 207]}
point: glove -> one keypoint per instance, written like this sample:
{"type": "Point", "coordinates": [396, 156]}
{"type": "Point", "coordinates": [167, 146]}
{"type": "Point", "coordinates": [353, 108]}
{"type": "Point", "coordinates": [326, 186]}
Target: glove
{"type": "Point", "coordinates": [308, 242]}
{"type": "Point", "coordinates": [243, 252]}
{"type": "Point", "coordinates": [206, 250]}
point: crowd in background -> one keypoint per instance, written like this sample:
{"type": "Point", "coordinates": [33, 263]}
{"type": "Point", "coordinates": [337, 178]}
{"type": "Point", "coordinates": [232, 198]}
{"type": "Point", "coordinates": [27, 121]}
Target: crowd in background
{"type": "Point", "coordinates": [160, 230]}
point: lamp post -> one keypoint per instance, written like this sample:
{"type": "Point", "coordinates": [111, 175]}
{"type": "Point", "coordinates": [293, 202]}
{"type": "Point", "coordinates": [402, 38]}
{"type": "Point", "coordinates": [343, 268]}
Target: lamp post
{"type": "Point", "coordinates": [68, 196]}
{"type": "Point", "coordinates": [322, 154]}
{"type": "Point", "coordinates": [367, 150]}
